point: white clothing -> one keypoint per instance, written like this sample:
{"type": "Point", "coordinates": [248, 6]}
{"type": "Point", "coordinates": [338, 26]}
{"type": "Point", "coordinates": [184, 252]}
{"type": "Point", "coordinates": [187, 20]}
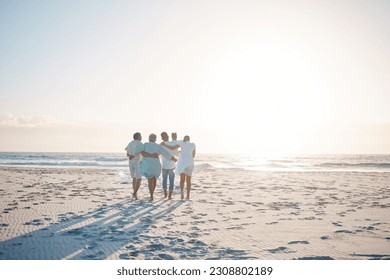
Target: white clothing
{"type": "Point", "coordinates": [186, 162]}
{"type": "Point", "coordinates": [134, 164]}
{"type": "Point", "coordinates": [135, 169]}
{"type": "Point", "coordinates": [132, 147]}
{"type": "Point", "coordinates": [167, 163]}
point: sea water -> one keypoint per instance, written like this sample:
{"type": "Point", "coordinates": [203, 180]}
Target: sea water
{"type": "Point", "coordinates": [296, 163]}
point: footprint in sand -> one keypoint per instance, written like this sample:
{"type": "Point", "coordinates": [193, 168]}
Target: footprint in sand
{"type": "Point", "coordinates": [76, 231]}
{"type": "Point", "coordinates": [34, 223]}
{"type": "Point", "coordinates": [165, 257]}
{"type": "Point", "coordinates": [344, 231]}
{"type": "Point", "coordinates": [197, 243]}
{"type": "Point", "coordinates": [299, 242]}
{"type": "Point", "coordinates": [372, 256]}
{"type": "Point", "coordinates": [155, 247]}
{"type": "Point", "coordinates": [125, 256]}
{"type": "Point", "coordinates": [369, 228]}
{"type": "Point", "coordinates": [316, 258]}
{"type": "Point", "coordinates": [193, 235]}
{"type": "Point", "coordinates": [96, 256]}
{"type": "Point", "coordinates": [7, 210]}
{"type": "Point", "coordinates": [130, 247]}
{"type": "Point", "coordinates": [280, 249]}
{"type": "Point", "coordinates": [337, 224]}
{"type": "Point", "coordinates": [90, 246]}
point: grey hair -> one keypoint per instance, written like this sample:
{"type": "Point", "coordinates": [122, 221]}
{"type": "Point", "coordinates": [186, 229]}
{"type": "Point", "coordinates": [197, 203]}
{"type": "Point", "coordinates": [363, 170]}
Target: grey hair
{"type": "Point", "coordinates": [152, 137]}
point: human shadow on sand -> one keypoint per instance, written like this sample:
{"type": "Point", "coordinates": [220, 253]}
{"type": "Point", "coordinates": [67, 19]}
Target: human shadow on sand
{"type": "Point", "coordinates": [121, 228]}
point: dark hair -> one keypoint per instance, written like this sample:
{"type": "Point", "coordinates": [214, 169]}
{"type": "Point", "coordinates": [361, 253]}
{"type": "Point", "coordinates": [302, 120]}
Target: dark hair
{"type": "Point", "coordinates": [136, 136]}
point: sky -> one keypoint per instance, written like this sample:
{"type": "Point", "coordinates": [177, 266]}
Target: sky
{"type": "Point", "coordinates": [257, 77]}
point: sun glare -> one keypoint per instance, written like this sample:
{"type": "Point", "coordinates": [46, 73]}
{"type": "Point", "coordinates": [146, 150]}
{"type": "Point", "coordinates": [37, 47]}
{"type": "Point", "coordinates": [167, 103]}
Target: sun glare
{"type": "Point", "coordinates": [273, 94]}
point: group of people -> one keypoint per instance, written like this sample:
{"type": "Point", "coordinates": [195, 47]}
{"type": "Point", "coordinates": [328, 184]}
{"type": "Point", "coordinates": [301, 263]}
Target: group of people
{"type": "Point", "coordinates": [144, 160]}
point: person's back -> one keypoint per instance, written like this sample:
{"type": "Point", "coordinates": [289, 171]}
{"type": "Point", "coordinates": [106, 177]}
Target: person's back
{"type": "Point", "coordinates": [132, 147]}
{"type": "Point", "coordinates": [167, 163]}
{"type": "Point", "coordinates": [152, 148]}
{"type": "Point", "coordinates": [186, 165]}
{"type": "Point", "coordinates": [134, 161]}
{"type": "Point", "coordinates": [151, 167]}
{"type": "Point", "coordinates": [187, 149]}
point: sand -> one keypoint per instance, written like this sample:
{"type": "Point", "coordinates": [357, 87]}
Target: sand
{"type": "Point", "coordinates": [83, 214]}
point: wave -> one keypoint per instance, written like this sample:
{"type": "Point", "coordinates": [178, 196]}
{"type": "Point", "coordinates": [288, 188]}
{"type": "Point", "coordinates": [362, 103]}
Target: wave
{"type": "Point", "coordinates": [275, 165]}
{"type": "Point", "coordinates": [383, 165]}
{"type": "Point", "coordinates": [322, 163]}
{"type": "Point", "coordinates": [111, 159]}
{"type": "Point", "coordinates": [64, 164]}
{"type": "Point", "coordinates": [203, 166]}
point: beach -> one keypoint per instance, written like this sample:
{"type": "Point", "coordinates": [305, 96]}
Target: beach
{"type": "Point", "coordinates": [88, 213]}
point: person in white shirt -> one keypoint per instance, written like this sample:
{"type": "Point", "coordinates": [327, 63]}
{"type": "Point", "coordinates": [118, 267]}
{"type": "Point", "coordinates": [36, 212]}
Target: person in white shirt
{"type": "Point", "coordinates": [168, 167]}
{"type": "Point", "coordinates": [185, 165]}
{"type": "Point", "coordinates": [151, 166]}
{"type": "Point", "coordinates": [134, 161]}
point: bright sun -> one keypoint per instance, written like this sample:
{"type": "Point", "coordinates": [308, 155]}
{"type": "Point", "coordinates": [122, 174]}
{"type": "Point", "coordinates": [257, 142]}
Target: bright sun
{"type": "Point", "coordinates": [272, 94]}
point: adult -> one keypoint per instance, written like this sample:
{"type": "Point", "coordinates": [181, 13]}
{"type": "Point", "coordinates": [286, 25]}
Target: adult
{"type": "Point", "coordinates": [168, 167]}
{"type": "Point", "coordinates": [185, 165]}
{"type": "Point", "coordinates": [151, 166]}
{"type": "Point", "coordinates": [134, 162]}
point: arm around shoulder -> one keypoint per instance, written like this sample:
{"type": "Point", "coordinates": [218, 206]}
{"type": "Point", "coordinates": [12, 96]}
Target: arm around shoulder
{"type": "Point", "coordinates": [146, 154]}
{"type": "Point", "coordinates": [170, 147]}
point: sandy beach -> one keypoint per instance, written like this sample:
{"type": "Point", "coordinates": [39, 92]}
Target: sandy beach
{"type": "Point", "coordinates": [82, 214]}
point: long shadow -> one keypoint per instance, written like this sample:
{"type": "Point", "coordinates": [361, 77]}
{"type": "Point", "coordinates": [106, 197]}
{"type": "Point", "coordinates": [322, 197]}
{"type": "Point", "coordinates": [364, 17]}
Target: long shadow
{"type": "Point", "coordinates": [121, 228]}
{"type": "Point", "coordinates": [95, 235]}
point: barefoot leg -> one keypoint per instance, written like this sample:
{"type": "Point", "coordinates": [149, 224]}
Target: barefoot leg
{"type": "Point", "coordinates": [151, 187]}
{"type": "Point", "coordinates": [182, 180]}
{"type": "Point", "coordinates": [136, 188]}
{"type": "Point", "coordinates": [188, 180]}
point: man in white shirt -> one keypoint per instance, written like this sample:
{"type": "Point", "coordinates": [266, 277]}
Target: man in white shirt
{"type": "Point", "coordinates": [168, 167]}
{"type": "Point", "coordinates": [134, 162]}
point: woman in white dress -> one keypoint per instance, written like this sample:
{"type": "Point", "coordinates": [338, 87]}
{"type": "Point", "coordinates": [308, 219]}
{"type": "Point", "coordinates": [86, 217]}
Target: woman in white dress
{"type": "Point", "coordinates": [185, 165]}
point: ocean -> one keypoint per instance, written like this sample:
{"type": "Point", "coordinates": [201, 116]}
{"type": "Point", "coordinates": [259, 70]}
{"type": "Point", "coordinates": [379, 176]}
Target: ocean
{"type": "Point", "coordinates": [297, 163]}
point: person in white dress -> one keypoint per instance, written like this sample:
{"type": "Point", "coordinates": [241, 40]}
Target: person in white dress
{"type": "Point", "coordinates": [185, 166]}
